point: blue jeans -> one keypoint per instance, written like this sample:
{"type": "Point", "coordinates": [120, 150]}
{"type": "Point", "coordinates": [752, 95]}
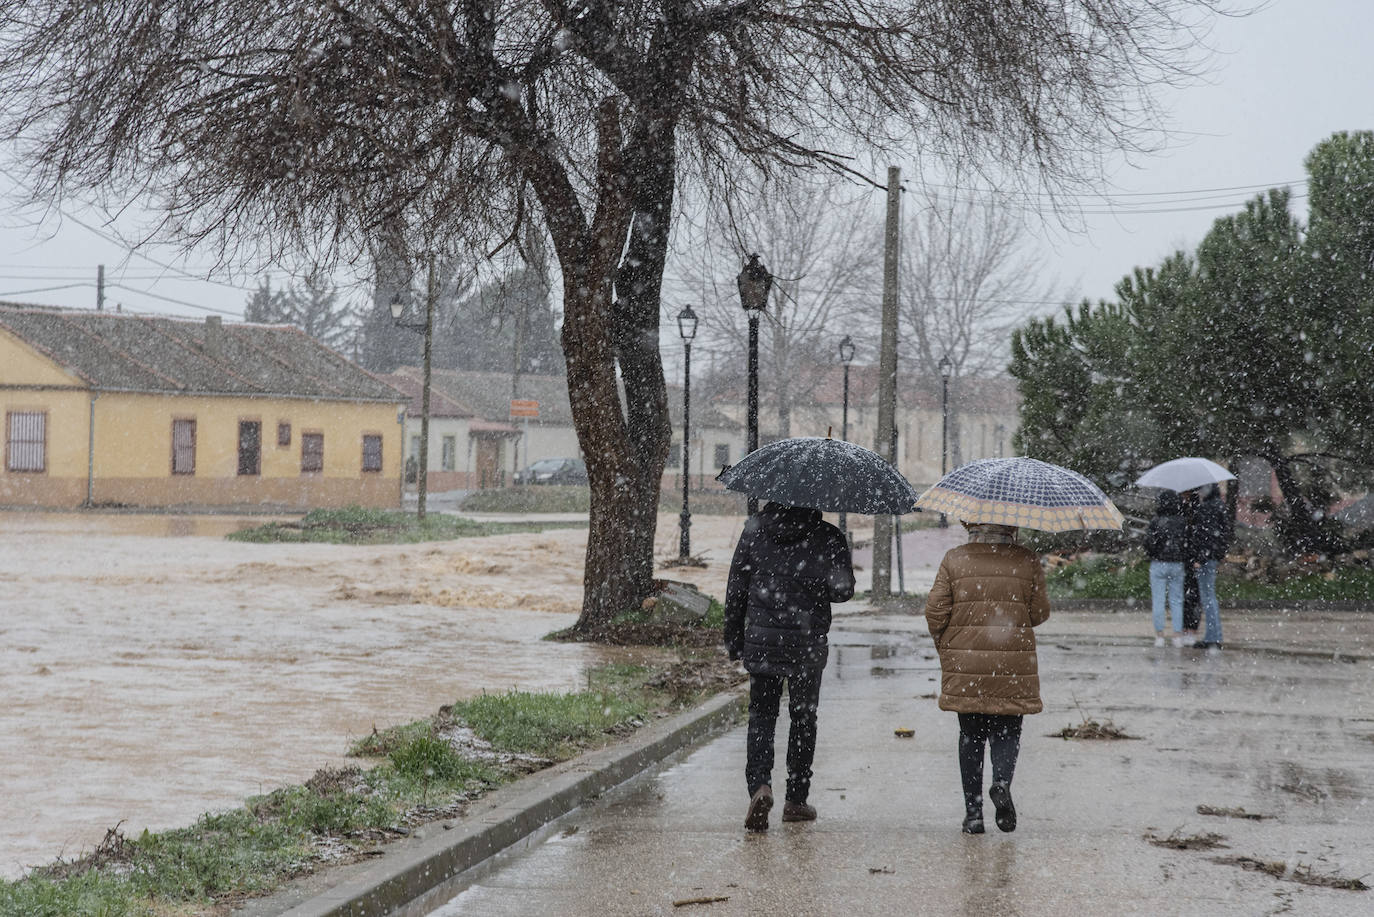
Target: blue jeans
{"type": "Point", "coordinates": [1207, 596]}
{"type": "Point", "coordinates": [1167, 575]}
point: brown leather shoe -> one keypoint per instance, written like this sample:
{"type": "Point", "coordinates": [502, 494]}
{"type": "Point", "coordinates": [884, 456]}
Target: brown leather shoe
{"type": "Point", "coordinates": [759, 806]}
{"type": "Point", "coordinates": [798, 811]}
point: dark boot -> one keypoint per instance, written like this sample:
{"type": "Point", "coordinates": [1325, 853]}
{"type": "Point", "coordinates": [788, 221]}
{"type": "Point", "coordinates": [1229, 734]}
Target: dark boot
{"type": "Point", "coordinates": [798, 811]}
{"type": "Point", "coordinates": [759, 806]}
{"type": "Point", "coordinates": [973, 823]}
{"type": "Point", "coordinates": [1000, 794]}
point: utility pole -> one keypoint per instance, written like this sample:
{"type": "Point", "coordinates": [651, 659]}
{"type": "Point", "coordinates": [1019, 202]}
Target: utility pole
{"type": "Point", "coordinates": [516, 357]}
{"type": "Point", "coordinates": [885, 444]}
{"type": "Point", "coordinates": [100, 288]}
{"type": "Point", "coordinates": [422, 486]}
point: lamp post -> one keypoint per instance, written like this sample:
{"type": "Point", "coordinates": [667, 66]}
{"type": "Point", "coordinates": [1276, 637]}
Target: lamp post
{"type": "Point", "coordinates": [687, 328]}
{"type": "Point", "coordinates": [754, 283]}
{"type": "Point", "coordinates": [425, 328]}
{"type": "Point", "coordinates": [944, 367]}
{"type": "Point", "coordinates": [846, 357]}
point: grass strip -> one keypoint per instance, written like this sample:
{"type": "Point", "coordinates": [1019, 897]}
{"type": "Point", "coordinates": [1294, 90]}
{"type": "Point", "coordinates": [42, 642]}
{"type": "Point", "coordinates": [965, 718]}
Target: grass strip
{"type": "Point", "coordinates": [359, 525]}
{"type": "Point", "coordinates": [422, 770]}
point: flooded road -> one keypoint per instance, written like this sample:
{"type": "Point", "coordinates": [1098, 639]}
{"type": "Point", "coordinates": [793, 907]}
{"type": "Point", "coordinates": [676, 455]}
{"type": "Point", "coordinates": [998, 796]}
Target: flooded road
{"type": "Point", "coordinates": [153, 671]}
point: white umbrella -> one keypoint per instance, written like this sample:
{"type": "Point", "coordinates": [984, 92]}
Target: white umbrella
{"type": "Point", "coordinates": [1185, 474]}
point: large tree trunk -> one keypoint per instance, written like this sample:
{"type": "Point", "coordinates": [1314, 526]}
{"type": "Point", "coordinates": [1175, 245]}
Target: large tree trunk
{"type": "Point", "coordinates": [611, 317]}
{"type": "Point", "coordinates": [1297, 528]}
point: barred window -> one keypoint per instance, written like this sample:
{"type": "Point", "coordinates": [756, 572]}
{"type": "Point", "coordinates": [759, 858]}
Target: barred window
{"type": "Point", "coordinates": [183, 447]}
{"type": "Point", "coordinates": [26, 441]}
{"type": "Point", "coordinates": [449, 460]}
{"type": "Point", "coordinates": [372, 452]}
{"type": "Point", "coordinates": [312, 452]}
{"type": "Point", "coordinates": [722, 454]}
{"type": "Point", "coordinates": [250, 447]}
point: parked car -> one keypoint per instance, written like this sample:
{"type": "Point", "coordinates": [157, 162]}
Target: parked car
{"type": "Point", "coordinates": [554, 471]}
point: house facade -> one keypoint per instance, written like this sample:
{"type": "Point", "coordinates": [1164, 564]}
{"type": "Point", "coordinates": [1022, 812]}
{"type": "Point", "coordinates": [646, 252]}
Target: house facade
{"type": "Point", "coordinates": [475, 443]}
{"type": "Point", "coordinates": [983, 415]}
{"type": "Point", "coordinates": [115, 409]}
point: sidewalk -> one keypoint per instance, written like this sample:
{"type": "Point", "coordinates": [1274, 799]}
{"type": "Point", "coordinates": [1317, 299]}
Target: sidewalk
{"type": "Point", "coordinates": [1281, 734]}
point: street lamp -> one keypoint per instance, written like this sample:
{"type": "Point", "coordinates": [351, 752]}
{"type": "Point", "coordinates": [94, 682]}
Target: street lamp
{"type": "Point", "coordinates": [687, 328]}
{"type": "Point", "coordinates": [944, 367]}
{"type": "Point", "coordinates": [426, 328]}
{"type": "Point", "coordinates": [754, 283]}
{"type": "Point", "coordinates": [846, 357]}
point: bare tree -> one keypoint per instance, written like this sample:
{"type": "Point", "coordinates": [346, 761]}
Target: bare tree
{"type": "Point", "coordinates": [820, 242]}
{"type": "Point", "coordinates": [969, 276]}
{"type": "Point", "coordinates": [280, 126]}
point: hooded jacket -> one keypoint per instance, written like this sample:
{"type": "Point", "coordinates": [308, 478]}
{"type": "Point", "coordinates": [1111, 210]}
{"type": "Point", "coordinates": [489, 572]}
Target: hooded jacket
{"type": "Point", "coordinates": [1167, 538]}
{"type": "Point", "coordinates": [985, 600]}
{"type": "Point", "coordinates": [1209, 528]}
{"type": "Point", "coordinates": [788, 567]}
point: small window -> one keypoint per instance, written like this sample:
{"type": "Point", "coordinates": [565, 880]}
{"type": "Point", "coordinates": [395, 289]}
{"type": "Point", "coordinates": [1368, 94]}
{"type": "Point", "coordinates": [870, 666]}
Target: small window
{"type": "Point", "coordinates": [183, 447]}
{"type": "Point", "coordinates": [250, 447]}
{"type": "Point", "coordinates": [449, 459]}
{"type": "Point", "coordinates": [372, 452]}
{"type": "Point", "coordinates": [312, 452]}
{"type": "Point", "coordinates": [675, 455]}
{"type": "Point", "coordinates": [415, 448]}
{"type": "Point", "coordinates": [26, 441]}
{"type": "Point", "coordinates": [722, 454]}
{"type": "Point", "coordinates": [283, 434]}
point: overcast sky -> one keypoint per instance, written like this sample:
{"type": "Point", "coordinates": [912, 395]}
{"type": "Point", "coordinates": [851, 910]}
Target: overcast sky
{"type": "Point", "coordinates": [1282, 80]}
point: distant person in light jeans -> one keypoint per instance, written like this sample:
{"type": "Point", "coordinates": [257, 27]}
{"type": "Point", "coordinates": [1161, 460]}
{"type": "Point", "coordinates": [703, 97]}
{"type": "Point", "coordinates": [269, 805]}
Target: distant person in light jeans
{"type": "Point", "coordinates": [1166, 546]}
{"type": "Point", "coordinates": [1209, 536]}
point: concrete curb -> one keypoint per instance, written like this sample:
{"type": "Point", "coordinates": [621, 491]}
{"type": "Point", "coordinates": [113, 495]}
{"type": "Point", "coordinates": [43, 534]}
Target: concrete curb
{"type": "Point", "coordinates": [409, 869]}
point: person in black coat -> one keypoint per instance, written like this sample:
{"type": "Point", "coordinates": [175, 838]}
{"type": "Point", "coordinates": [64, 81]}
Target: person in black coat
{"type": "Point", "coordinates": [1192, 600]}
{"type": "Point", "coordinates": [1166, 546]}
{"type": "Point", "coordinates": [1209, 536]}
{"type": "Point", "coordinates": [788, 567]}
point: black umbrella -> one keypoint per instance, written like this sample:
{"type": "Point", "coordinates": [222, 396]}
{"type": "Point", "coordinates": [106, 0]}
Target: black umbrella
{"type": "Point", "coordinates": [827, 474]}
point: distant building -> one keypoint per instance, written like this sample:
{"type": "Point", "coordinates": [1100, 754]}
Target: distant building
{"type": "Point", "coordinates": [983, 417]}
{"type": "Point", "coordinates": [106, 408]}
{"type": "Point", "coordinates": [475, 442]}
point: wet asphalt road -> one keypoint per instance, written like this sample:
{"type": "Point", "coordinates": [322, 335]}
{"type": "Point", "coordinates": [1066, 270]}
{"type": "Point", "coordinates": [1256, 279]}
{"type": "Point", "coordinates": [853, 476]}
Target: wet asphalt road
{"type": "Point", "coordinates": [1286, 737]}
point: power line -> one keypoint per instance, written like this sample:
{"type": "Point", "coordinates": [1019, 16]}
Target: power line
{"type": "Point", "coordinates": [67, 286]}
{"type": "Point", "coordinates": [1098, 195]}
{"type": "Point", "coordinates": [179, 302]}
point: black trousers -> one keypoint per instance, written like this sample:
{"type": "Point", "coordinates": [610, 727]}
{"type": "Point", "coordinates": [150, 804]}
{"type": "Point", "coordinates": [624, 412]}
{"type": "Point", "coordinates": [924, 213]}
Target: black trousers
{"type": "Point", "coordinates": [1192, 598]}
{"type": "Point", "coordinates": [976, 731]}
{"type": "Point", "coordinates": [765, 698]}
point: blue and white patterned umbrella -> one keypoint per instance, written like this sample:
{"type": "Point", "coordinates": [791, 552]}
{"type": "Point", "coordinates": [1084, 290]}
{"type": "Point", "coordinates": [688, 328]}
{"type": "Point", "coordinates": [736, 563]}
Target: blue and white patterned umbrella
{"type": "Point", "coordinates": [827, 474]}
{"type": "Point", "coordinates": [1023, 492]}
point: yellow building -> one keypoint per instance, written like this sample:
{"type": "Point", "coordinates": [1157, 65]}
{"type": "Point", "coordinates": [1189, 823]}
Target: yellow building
{"type": "Point", "coordinates": [111, 409]}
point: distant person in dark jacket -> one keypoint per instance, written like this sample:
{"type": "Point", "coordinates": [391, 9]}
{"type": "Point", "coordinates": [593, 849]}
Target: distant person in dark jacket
{"type": "Point", "coordinates": [1209, 536]}
{"type": "Point", "coordinates": [1166, 546]}
{"type": "Point", "coordinates": [788, 567]}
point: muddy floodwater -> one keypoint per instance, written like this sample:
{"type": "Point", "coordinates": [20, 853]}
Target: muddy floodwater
{"type": "Point", "coordinates": [152, 670]}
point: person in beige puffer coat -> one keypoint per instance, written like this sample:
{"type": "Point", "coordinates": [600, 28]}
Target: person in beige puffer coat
{"type": "Point", "coordinates": [987, 596]}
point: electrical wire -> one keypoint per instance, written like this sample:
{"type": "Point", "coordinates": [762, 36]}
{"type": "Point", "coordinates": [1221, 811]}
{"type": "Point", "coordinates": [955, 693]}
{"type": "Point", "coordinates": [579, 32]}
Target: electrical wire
{"type": "Point", "coordinates": [171, 299]}
{"type": "Point", "coordinates": [67, 286]}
